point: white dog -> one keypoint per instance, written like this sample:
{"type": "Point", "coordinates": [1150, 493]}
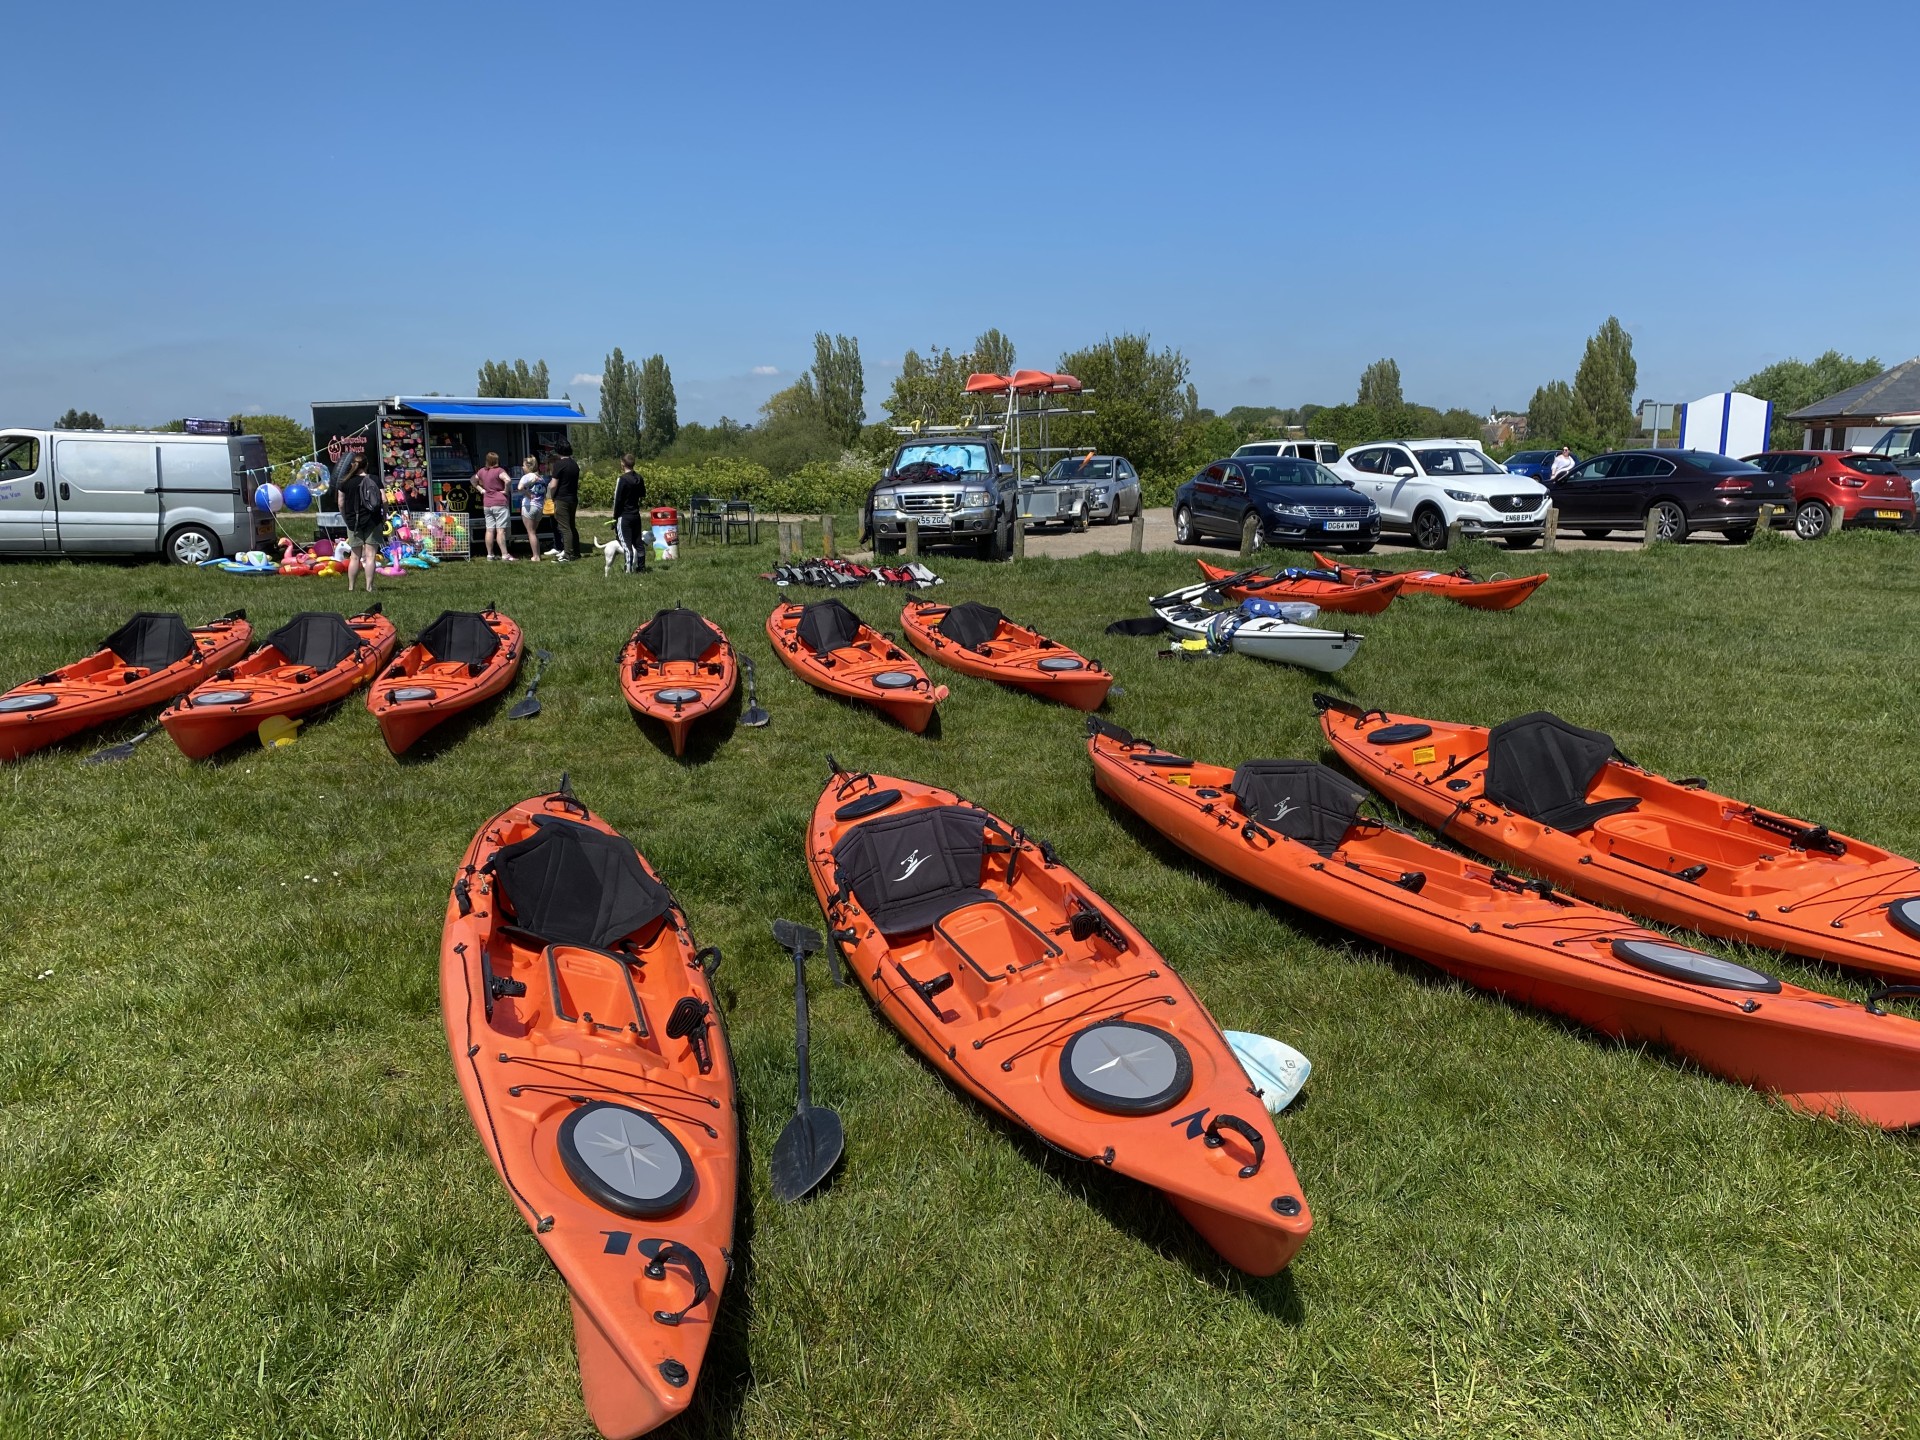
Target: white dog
{"type": "Point", "coordinates": [613, 550]}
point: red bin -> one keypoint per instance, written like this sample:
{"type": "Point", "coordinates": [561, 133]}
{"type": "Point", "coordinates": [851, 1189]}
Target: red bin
{"type": "Point", "coordinates": [666, 532]}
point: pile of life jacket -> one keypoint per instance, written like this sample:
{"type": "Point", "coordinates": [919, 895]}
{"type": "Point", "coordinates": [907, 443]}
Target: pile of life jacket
{"type": "Point", "coordinates": [834, 574]}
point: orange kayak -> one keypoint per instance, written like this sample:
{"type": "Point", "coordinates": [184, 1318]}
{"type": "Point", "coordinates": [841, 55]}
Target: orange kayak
{"type": "Point", "coordinates": [834, 650]}
{"type": "Point", "coordinates": [1560, 801]}
{"type": "Point", "coordinates": [317, 657]}
{"type": "Point", "coordinates": [459, 661]}
{"type": "Point", "coordinates": [1026, 990]}
{"type": "Point", "coordinates": [1326, 591]}
{"type": "Point", "coordinates": [1293, 829]}
{"type": "Point", "coordinates": [676, 668]}
{"type": "Point", "coordinates": [596, 1068]}
{"type": "Point", "coordinates": [146, 662]}
{"type": "Point", "coordinates": [1458, 586]}
{"type": "Point", "coordinates": [979, 640]}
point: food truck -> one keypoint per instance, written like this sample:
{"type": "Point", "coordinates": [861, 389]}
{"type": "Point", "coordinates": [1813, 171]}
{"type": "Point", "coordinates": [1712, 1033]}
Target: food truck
{"type": "Point", "coordinates": [425, 450]}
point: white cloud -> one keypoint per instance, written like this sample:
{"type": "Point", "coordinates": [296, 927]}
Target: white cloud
{"type": "Point", "coordinates": [584, 379]}
{"type": "Point", "coordinates": [766, 370]}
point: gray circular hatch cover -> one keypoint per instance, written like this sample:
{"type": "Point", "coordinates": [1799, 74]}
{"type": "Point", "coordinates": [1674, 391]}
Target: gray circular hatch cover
{"type": "Point", "coordinates": [411, 692]}
{"type": "Point", "coordinates": [677, 697]}
{"type": "Point", "coordinates": [624, 1159]}
{"type": "Point", "coordinates": [894, 680]}
{"type": "Point", "coordinates": [1056, 663]}
{"type": "Point", "coordinates": [1125, 1068]}
{"type": "Point", "coordinates": [12, 703]}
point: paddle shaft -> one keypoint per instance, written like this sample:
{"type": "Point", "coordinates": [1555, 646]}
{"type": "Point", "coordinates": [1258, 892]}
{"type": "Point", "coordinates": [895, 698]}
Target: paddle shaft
{"type": "Point", "coordinates": [800, 1027]}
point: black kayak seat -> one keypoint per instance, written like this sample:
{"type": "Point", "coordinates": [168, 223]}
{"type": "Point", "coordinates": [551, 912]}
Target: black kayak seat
{"type": "Point", "coordinates": [971, 625]}
{"type": "Point", "coordinates": [151, 640]}
{"type": "Point", "coordinates": [319, 639]}
{"type": "Point", "coordinates": [572, 884]}
{"type": "Point", "coordinates": [460, 637]}
{"type": "Point", "coordinates": [678, 634]}
{"type": "Point", "coordinates": [909, 870]}
{"type": "Point", "coordinates": [1300, 800]}
{"type": "Point", "coordinates": [1542, 767]}
{"type": "Point", "coordinates": [827, 625]}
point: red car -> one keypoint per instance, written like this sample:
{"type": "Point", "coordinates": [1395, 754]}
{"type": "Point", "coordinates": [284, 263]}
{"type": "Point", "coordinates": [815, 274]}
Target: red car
{"type": "Point", "coordinates": [1832, 488]}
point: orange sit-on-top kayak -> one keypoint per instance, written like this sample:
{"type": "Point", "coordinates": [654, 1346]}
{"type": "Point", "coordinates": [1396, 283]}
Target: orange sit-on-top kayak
{"type": "Point", "coordinates": [1560, 801]}
{"type": "Point", "coordinates": [146, 662]}
{"type": "Point", "coordinates": [463, 658]}
{"type": "Point", "coordinates": [833, 649]}
{"type": "Point", "coordinates": [317, 657]}
{"type": "Point", "coordinates": [1323, 588]}
{"type": "Point", "coordinates": [1293, 829]}
{"type": "Point", "coordinates": [676, 668]}
{"type": "Point", "coordinates": [1022, 987]}
{"type": "Point", "coordinates": [596, 1068]}
{"type": "Point", "coordinates": [1458, 586]}
{"type": "Point", "coordinates": [977, 639]}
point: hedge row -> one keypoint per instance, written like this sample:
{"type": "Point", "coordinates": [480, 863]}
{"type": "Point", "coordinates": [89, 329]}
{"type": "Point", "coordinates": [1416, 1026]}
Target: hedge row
{"type": "Point", "coordinates": [811, 490]}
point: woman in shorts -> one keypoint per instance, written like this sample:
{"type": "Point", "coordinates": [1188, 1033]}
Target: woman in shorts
{"type": "Point", "coordinates": [491, 481]}
{"type": "Point", "coordinates": [362, 508]}
{"type": "Point", "coordinates": [531, 487]}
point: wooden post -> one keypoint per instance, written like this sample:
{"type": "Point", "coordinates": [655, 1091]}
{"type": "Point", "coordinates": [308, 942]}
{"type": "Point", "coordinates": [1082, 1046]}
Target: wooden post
{"type": "Point", "coordinates": [826, 537]}
{"type": "Point", "coordinates": [1019, 538]}
{"type": "Point", "coordinates": [785, 542]}
{"type": "Point", "coordinates": [1249, 528]}
{"type": "Point", "coordinates": [1550, 537]}
{"type": "Point", "coordinates": [1456, 536]}
{"type": "Point", "coordinates": [912, 550]}
{"type": "Point", "coordinates": [1138, 543]}
{"type": "Point", "coordinates": [1647, 540]}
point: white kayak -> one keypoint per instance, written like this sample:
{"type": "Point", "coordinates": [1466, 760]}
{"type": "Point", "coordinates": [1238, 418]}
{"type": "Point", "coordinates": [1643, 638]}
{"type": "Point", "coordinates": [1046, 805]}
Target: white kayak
{"type": "Point", "coordinates": [1265, 636]}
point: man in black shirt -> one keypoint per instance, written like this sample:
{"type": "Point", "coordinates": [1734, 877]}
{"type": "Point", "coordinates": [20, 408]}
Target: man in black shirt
{"type": "Point", "coordinates": [629, 501]}
{"type": "Point", "coordinates": [564, 490]}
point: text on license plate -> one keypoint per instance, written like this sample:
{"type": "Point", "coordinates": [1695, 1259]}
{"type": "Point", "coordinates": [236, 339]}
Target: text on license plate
{"type": "Point", "coordinates": [1343, 524]}
{"type": "Point", "coordinates": [1888, 515]}
{"type": "Point", "coordinates": [936, 522]}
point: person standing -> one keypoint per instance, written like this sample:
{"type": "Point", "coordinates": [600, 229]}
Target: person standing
{"type": "Point", "coordinates": [362, 507]}
{"type": "Point", "coordinates": [491, 481]}
{"type": "Point", "coordinates": [1562, 466]}
{"type": "Point", "coordinates": [563, 488]}
{"type": "Point", "coordinates": [629, 505]}
{"type": "Point", "coordinates": [531, 487]}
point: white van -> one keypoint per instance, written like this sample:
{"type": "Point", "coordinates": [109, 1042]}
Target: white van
{"type": "Point", "coordinates": [123, 492]}
{"type": "Point", "coordinates": [1325, 451]}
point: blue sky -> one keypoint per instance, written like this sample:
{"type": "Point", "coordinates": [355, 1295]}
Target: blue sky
{"type": "Point", "coordinates": [223, 208]}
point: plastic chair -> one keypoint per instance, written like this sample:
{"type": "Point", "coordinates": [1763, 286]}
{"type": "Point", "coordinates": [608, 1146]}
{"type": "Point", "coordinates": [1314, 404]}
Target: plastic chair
{"type": "Point", "coordinates": [742, 516]}
{"type": "Point", "coordinates": [707, 514]}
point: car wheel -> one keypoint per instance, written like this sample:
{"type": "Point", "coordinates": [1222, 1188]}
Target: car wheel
{"type": "Point", "coordinates": [1739, 535]}
{"type": "Point", "coordinates": [1667, 521]}
{"type": "Point", "coordinates": [1183, 526]}
{"type": "Point", "coordinates": [1429, 528]}
{"type": "Point", "coordinates": [1362, 548]}
{"type": "Point", "coordinates": [191, 544]}
{"type": "Point", "coordinates": [1521, 542]}
{"type": "Point", "coordinates": [1596, 534]}
{"type": "Point", "coordinates": [1810, 521]}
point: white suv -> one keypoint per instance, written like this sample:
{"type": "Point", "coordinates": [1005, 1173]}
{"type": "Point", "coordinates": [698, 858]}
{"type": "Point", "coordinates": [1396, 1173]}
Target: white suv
{"type": "Point", "coordinates": [1325, 451]}
{"type": "Point", "coordinates": [1424, 486]}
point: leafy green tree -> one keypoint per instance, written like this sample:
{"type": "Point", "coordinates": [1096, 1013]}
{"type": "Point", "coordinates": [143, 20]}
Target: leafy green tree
{"type": "Point", "coordinates": [286, 438]}
{"type": "Point", "coordinates": [1380, 385]}
{"type": "Point", "coordinates": [1261, 422]}
{"type": "Point", "coordinates": [1553, 414]}
{"type": "Point", "coordinates": [930, 388]}
{"type": "Point", "coordinates": [79, 420]}
{"type": "Point", "coordinates": [1460, 424]}
{"type": "Point", "coordinates": [839, 385]}
{"type": "Point", "coordinates": [1792, 384]}
{"type": "Point", "coordinates": [1604, 385]}
{"type": "Point", "coordinates": [516, 380]}
{"type": "Point", "coordinates": [992, 354]}
{"type": "Point", "coordinates": [1141, 403]}
{"type": "Point", "coordinates": [659, 411]}
{"type": "Point", "coordinates": [619, 432]}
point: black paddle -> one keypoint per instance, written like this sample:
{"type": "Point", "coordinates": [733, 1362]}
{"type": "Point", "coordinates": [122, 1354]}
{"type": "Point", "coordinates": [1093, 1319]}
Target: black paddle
{"type": "Point", "coordinates": [754, 716]}
{"type": "Point", "coordinates": [117, 752]}
{"type": "Point", "coordinates": [810, 1146]}
{"type": "Point", "coordinates": [529, 705]}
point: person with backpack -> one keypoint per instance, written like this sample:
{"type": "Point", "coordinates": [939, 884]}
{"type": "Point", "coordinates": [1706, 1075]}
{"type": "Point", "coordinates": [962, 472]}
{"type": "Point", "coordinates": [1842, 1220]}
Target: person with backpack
{"type": "Point", "coordinates": [629, 500]}
{"type": "Point", "coordinates": [531, 487]}
{"type": "Point", "coordinates": [364, 510]}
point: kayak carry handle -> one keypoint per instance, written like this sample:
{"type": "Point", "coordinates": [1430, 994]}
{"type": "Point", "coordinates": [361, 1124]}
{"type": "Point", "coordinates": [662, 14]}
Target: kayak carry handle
{"type": "Point", "coordinates": [662, 1253]}
{"type": "Point", "coordinates": [1245, 1132]}
{"type": "Point", "coordinates": [1890, 992]}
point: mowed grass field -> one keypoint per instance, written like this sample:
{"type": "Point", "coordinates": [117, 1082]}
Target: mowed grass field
{"type": "Point", "coordinates": [240, 1195]}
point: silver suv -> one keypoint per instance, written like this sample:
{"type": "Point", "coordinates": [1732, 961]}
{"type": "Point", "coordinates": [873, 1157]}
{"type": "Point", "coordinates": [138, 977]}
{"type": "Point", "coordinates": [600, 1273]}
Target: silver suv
{"type": "Point", "coordinates": [956, 486]}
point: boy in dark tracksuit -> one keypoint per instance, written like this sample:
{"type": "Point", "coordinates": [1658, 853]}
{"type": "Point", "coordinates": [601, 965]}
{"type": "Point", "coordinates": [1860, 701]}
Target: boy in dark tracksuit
{"type": "Point", "coordinates": [629, 501]}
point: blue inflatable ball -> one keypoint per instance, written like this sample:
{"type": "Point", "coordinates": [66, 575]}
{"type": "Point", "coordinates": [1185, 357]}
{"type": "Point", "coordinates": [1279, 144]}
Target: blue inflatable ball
{"type": "Point", "coordinates": [269, 498]}
{"type": "Point", "coordinates": [298, 496]}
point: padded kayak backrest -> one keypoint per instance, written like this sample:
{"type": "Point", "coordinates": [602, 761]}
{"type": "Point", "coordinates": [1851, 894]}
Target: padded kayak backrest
{"type": "Point", "coordinates": [828, 625]}
{"type": "Point", "coordinates": [460, 637]}
{"type": "Point", "coordinates": [970, 625]}
{"type": "Point", "coordinates": [910, 869]}
{"type": "Point", "coordinates": [317, 638]}
{"type": "Point", "coordinates": [1543, 766]}
{"type": "Point", "coordinates": [151, 640]}
{"type": "Point", "coordinates": [677, 635]}
{"type": "Point", "coordinates": [571, 884]}
{"type": "Point", "coordinates": [1300, 800]}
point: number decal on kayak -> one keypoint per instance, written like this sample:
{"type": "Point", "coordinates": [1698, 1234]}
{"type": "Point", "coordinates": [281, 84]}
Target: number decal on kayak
{"type": "Point", "coordinates": [617, 1241]}
{"type": "Point", "coordinates": [1196, 1123]}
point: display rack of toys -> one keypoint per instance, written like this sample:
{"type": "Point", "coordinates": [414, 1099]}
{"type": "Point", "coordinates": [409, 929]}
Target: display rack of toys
{"type": "Point", "coordinates": [441, 534]}
{"type": "Point", "coordinates": [403, 461]}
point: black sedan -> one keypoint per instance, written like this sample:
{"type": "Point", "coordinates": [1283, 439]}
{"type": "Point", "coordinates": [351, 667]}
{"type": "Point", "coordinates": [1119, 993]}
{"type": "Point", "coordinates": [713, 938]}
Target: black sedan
{"type": "Point", "coordinates": [1669, 493]}
{"type": "Point", "coordinates": [1297, 503]}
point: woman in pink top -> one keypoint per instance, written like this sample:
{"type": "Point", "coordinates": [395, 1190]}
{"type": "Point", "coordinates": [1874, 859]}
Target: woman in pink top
{"type": "Point", "coordinates": [492, 481]}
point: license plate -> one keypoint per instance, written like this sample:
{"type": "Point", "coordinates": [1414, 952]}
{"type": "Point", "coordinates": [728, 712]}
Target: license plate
{"type": "Point", "coordinates": [1888, 515]}
{"type": "Point", "coordinates": [935, 522]}
{"type": "Point", "coordinates": [1343, 525]}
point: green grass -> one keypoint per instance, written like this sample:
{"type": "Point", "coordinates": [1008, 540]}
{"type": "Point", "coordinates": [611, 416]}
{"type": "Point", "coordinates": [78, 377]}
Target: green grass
{"type": "Point", "coordinates": [240, 1196]}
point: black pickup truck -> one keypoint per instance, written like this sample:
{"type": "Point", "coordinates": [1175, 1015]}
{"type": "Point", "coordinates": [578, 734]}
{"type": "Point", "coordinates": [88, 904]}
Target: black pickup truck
{"type": "Point", "coordinates": [957, 486]}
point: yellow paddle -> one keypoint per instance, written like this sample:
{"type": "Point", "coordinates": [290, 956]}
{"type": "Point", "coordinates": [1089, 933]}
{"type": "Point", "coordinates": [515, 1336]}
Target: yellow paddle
{"type": "Point", "coordinates": [278, 731]}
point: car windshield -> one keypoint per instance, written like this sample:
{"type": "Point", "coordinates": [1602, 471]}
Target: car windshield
{"type": "Point", "coordinates": [1899, 442]}
{"type": "Point", "coordinates": [1459, 462]}
{"type": "Point", "coordinates": [1282, 471]}
{"type": "Point", "coordinates": [1871, 465]}
{"type": "Point", "coordinates": [1066, 470]}
{"type": "Point", "coordinates": [1718, 464]}
{"type": "Point", "coordinates": [969, 458]}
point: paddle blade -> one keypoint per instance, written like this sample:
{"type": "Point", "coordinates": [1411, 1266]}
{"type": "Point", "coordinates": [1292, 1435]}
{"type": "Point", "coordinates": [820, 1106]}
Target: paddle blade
{"type": "Point", "coordinates": [116, 752]}
{"type": "Point", "coordinates": [525, 709]}
{"type": "Point", "coordinates": [277, 731]}
{"type": "Point", "coordinates": [1276, 1069]}
{"type": "Point", "coordinates": [754, 716]}
{"type": "Point", "coordinates": [806, 1152]}
{"type": "Point", "coordinates": [791, 936]}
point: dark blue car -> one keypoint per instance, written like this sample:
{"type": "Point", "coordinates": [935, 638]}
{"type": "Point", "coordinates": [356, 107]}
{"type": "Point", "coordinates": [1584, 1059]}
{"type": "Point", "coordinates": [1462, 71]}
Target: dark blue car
{"type": "Point", "coordinates": [1299, 504]}
{"type": "Point", "coordinates": [1533, 464]}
